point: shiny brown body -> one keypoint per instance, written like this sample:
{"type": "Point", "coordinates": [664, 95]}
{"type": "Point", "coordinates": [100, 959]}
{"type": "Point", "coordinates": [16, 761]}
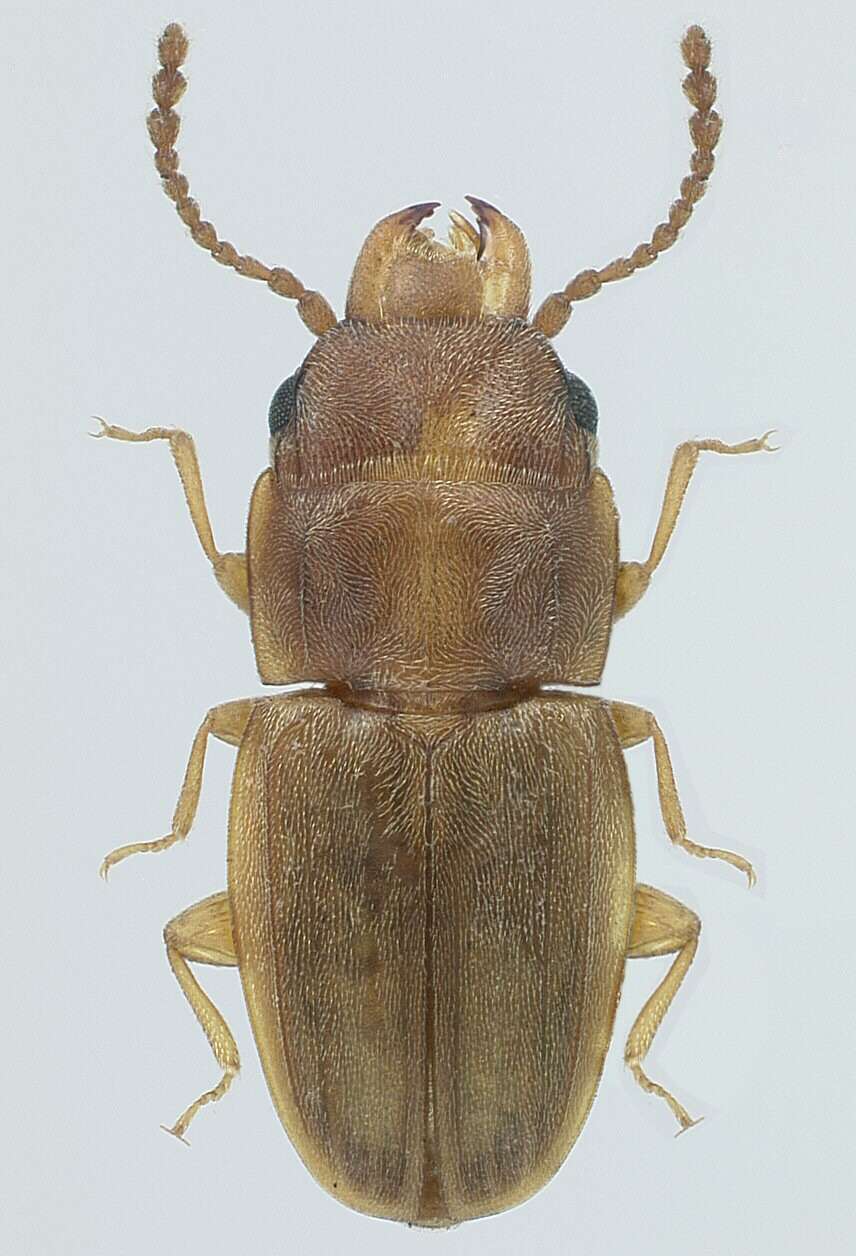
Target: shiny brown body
{"type": "Point", "coordinates": [431, 919]}
{"type": "Point", "coordinates": [432, 527]}
{"type": "Point", "coordinates": [431, 870]}
{"type": "Point", "coordinates": [442, 873]}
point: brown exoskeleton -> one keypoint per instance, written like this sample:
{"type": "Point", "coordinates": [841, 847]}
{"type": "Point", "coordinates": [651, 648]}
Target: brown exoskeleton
{"type": "Point", "coordinates": [431, 873]}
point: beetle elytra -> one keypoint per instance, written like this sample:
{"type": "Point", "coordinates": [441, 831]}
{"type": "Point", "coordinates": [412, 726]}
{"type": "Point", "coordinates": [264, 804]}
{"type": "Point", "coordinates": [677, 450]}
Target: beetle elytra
{"type": "Point", "coordinates": [431, 891]}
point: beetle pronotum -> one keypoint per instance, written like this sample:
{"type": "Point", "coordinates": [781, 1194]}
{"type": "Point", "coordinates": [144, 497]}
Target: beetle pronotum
{"type": "Point", "coordinates": [431, 871]}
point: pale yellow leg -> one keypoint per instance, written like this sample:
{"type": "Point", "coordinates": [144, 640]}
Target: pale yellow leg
{"type": "Point", "coordinates": [634, 578]}
{"type": "Point", "coordinates": [635, 725]}
{"type": "Point", "coordinates": [227, 722]}
{"type": "Point", "coordinates": [203, 935]}
{"type": "Point", "coordinates": [230, 570]}
{"type": "Point", "coordinates": [661, 926]}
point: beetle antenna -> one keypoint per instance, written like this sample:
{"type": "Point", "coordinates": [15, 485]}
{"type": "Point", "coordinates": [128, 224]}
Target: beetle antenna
{"type": "Point", "coordinates": [705, 127]}
{"type": "Point", "coordinates": [168, 87]}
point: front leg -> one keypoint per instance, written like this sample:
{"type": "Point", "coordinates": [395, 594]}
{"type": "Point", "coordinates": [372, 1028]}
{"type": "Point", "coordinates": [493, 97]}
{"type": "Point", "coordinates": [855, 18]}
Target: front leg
{"type": "Point", "coordinates": [634, 578]}
{"type": "Point", "coordinates": [230, 570]}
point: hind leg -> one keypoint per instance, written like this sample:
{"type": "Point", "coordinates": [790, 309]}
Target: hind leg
{"type": "Point", "coordinates": [203, 935]}
{"type": "Point", "coordinates": [661, 926]}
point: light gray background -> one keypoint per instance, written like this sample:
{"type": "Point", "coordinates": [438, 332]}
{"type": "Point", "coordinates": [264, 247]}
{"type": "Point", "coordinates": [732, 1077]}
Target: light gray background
{"type": "Point", "coordinates": [303, 125]}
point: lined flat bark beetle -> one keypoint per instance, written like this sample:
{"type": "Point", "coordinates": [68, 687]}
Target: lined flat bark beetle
{"type": "Point", "coordinates": [431, 892]}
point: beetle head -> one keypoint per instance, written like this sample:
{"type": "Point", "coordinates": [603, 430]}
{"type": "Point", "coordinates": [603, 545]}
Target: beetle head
{"type": "Point", "coordinates": [402, 272]}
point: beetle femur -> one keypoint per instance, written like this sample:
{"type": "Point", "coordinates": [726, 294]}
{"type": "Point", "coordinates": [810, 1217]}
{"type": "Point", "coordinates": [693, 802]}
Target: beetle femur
{"type": "Point", "coordinates": [402, 272]}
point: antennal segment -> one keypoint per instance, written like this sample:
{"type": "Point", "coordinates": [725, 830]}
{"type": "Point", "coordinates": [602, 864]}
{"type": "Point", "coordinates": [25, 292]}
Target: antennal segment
{"type": "Point", "coordinates": [705, 127]}
{"type": "Point", "coordinates": [168, 86]}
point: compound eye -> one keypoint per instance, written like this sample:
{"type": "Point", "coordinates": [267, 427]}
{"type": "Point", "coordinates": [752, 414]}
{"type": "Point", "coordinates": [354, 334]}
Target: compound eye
{"type": "Point", "coordinates": [581, 403]}
{"type": "Point", "coordinates": [282, 408]}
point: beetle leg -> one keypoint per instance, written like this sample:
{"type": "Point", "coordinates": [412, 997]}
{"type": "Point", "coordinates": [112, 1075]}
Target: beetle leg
{"type": "Point", "coordinates": [634, 578]}
{"type": "Point", "coordinates": [227, 722]}
{"type": "Point", "coordinates": [661, 926]}
{"type": "Point", "coordinates": [635, 725]}
{"type": "Point", "coordinates": [203, 935]}
{"type": "Point", "coordinates": [230, 570]}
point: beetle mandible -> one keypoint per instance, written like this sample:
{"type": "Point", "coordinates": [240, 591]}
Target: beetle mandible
{"type": "Point", "coordinates": [431, 866]}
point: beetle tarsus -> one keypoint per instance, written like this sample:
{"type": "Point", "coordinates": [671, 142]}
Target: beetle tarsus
{"type": "Point", "coordinates": [698, 1120]}
{"type": "Point", "coordinates": [210, 1096]}
{"type": "Point", "coordinates": [683, 1117]}
{"type": "Point", "coordinates": [714, 852]}
{"type": "Point", "coordinates": [135, 848]}
{"type": "Point", "coordinates": [174, 1131]}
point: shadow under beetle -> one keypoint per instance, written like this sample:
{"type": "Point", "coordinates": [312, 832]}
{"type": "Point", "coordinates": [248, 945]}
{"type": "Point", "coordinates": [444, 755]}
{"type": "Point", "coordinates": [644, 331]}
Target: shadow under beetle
{"type": "Point", "coordinates": [431, 869]}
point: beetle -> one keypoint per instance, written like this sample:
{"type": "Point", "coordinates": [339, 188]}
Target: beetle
{"type": "Point", "coordinates": [431, 892]}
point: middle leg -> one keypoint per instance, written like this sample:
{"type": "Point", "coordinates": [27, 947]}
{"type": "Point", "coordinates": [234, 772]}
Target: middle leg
{"type": "Point", "coordinates": [227, 722]}
{"type": "Point", "coordinates": [635, 725]}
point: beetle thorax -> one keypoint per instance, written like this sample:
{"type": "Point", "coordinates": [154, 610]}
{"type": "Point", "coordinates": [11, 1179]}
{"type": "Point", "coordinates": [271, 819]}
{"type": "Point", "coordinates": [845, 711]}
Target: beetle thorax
{"type": "Point", "coordinates": [431, 528]}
